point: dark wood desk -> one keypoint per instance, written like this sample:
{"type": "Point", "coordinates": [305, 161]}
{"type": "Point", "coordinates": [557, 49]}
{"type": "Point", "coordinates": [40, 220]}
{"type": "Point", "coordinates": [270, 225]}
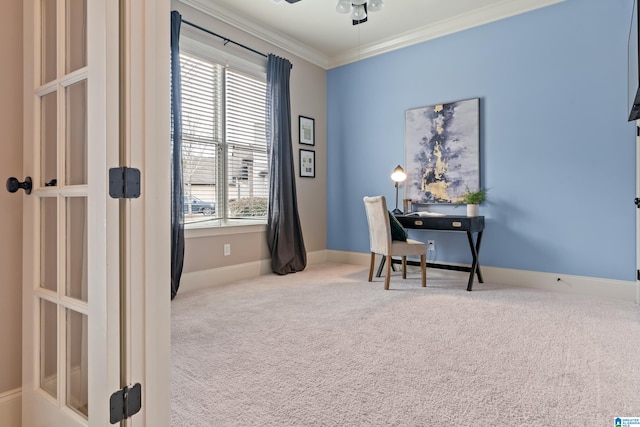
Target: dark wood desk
{"type": "Point", "coordinates": [467, 224]}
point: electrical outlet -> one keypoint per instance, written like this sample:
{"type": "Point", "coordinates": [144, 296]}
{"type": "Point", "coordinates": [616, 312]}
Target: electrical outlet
{"type": "Point", "coordinates": [227, 249]}
{"type": "Point", "coordinates": [431, 245]}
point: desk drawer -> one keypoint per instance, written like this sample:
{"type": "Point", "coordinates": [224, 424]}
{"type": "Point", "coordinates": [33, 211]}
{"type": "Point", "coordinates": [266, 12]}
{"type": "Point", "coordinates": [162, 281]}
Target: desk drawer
{"type": "Point", "coordinates": [453, 223]}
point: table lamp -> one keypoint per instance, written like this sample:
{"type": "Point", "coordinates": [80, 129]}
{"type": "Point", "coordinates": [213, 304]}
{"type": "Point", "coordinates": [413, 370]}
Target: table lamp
{"type": "Point", "coordinates": [398, 176]}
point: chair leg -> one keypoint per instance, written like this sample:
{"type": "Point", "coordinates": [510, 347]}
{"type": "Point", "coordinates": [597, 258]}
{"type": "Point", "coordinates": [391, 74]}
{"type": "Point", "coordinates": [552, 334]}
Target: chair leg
{"type": "Point", "coordinates": [388, 276]}
{"type": "Point", "coordinates": [404, 267]}
{"type": "Point", "coordinates": [373, 261]}
{"type": "Point", "coordinates": [423, 270]}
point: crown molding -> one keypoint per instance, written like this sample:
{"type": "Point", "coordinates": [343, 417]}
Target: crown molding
{"type": "Point", "coordinates": [476, 18]}
{"type": "Point", "coordinates": [456, 24]}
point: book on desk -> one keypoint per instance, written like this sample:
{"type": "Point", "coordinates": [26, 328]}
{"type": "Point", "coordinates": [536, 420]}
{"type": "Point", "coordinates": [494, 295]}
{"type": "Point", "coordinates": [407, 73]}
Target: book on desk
{"type": "Point", "coordinates": [425, 213]}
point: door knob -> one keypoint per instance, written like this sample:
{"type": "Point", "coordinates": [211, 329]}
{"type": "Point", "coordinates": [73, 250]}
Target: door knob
{"type": "Point", "coordinates": [14, 185]}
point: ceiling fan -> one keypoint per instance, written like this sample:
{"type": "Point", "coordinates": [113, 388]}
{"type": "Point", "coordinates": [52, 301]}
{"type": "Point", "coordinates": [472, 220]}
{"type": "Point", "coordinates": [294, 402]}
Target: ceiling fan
{"type": "Point", "coordinates": [358, 8]}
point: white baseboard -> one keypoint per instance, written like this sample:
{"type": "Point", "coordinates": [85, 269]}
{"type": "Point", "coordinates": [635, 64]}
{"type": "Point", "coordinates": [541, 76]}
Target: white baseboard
{"type": "Point", "coordinates": [357, 258]}
{"type": "Point", "coordinates": [581, 285]}
{"type": "Point", "coordinates": [11, 408]}
{"type": "Point", "coordinates": [233, 273]}
{"type": "Point", "coordinates": [223, 275]}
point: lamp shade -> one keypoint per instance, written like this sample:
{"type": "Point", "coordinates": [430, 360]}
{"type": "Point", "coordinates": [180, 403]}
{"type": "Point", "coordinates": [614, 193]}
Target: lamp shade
{"type": "Point", "coordinates": [375, 5]}
{"type": "Point", "coordinates": [343, 6]}
{"type": "Point", "coordinates": [398, 174]}
{"type": "Point", "coordinates": [358, 13]}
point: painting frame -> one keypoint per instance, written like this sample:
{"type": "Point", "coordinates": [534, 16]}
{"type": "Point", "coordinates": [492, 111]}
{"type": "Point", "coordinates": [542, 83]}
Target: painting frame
{"type": "Point", "coordinates": [307, 163]}
{"type": "Point", "coordinates": [442, 151]}
{"type": "Point", "coordinates": [307, 130]}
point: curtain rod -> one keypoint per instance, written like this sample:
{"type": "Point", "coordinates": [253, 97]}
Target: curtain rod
{"type": "Point", "coordinates": [226, 39]}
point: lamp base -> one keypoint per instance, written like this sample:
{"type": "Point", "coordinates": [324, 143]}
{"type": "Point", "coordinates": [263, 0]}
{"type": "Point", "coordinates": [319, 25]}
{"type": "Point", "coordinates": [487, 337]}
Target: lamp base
{"type": "Point", "coordinates": [397, 211]}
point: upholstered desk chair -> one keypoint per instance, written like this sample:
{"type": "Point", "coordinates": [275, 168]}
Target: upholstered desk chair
{"type": "Point", "coordinates": [381, 243]}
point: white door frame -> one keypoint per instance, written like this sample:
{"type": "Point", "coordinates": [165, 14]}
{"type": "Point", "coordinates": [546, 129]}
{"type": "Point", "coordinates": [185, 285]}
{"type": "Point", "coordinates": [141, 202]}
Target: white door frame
{"type": "Point", "coordinates": [637, 130]}
{"type": "Point", "coordinates": [146, 129]}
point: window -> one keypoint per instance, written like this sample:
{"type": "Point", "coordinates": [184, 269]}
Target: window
{"type": "Point", "coordinates": [224, 146]}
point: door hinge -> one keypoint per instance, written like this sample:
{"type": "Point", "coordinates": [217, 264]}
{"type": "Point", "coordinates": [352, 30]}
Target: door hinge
{"type": "Point", "coordinates": [637, 274]}
{"type": "Point", "coordinates": [125, 403]}
{"type": "Point", "coordinates": [124, 183]}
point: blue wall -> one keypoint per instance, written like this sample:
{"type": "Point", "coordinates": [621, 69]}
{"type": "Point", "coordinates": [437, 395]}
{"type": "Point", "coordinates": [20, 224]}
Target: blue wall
{"type": "Point", "coordinates": [557, 152]}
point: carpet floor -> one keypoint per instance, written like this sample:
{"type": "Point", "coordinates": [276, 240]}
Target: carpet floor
{"type": "Point", "coordinates": [324, 347]}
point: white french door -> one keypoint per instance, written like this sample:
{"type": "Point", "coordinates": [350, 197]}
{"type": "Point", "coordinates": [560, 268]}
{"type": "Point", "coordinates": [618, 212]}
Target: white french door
{"type": "Point", "coordinates": [71, 332]}
{"type": "Point", "coordinates": [96, 275]}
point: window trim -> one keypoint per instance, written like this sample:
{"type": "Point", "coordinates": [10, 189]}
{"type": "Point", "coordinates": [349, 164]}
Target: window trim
{"type": "Point", "coordinates": [194, 47]}
{"type": "Point", "coordinates": [240, 227]}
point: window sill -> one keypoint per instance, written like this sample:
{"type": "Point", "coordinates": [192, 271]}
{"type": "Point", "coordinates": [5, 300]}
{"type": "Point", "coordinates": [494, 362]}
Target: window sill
{"type": "Point", "coordinates": [219, 228]}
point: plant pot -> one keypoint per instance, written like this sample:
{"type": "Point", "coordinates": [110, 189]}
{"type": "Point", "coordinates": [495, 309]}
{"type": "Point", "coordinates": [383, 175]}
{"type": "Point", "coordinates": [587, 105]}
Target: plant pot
{"type": "Point", "coordinates": [472, 210]}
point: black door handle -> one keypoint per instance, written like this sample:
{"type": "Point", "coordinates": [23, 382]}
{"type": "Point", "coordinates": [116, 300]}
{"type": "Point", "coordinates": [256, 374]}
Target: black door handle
{"type": "Point", "coordinates": [14, 185]}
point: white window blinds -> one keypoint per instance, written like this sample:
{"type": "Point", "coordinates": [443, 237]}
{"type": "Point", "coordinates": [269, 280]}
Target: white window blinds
{"type": "Point", "coordinates": [246, 145]}
{"type": "Point", "coordinates": [224, 142]}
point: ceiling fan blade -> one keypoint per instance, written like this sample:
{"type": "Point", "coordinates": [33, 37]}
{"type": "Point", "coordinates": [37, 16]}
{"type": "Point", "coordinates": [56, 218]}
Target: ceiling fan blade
{"type": "Point", "coordinates": [292, 1]}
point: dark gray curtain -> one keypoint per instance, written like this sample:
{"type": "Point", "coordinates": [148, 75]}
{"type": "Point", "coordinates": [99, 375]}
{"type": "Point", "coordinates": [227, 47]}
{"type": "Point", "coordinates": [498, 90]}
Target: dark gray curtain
{"type": "Point", "coordinates": [284, 233]}
{"type": "Point", "coordinates": [177, 196]}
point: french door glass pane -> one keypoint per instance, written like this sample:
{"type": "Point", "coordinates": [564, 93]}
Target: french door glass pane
{"type": "Point", "coordinates": [77, 363]}
{"type": "Point", "coordinates": [76, 286]}
{"type": "Point", "coordinates": [48, 347]}
{"type": "Point", "coordinates": [76, 35]}
{"type": "Point", "coordinates": [48, 147]}
{"type": "Point", "coordinates": [76, 144]}
{"type": "Point", "coordinates": [48, 40]}
{"type": "Point", "coordinates": [49, 243]}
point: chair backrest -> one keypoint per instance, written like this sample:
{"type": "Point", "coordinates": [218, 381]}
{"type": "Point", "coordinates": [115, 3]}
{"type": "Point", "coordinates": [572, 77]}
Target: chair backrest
{"type": "Point", "coordinates": [379, 226]}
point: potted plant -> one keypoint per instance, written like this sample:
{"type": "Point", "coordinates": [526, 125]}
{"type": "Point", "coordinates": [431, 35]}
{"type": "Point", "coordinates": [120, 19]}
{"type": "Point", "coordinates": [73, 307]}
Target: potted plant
{"type": "Point", "coordinates": [472, 199]}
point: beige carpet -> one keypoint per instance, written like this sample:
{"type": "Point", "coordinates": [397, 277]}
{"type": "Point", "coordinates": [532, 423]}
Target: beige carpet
{"type": "Point", "coordinates": [324, 347]}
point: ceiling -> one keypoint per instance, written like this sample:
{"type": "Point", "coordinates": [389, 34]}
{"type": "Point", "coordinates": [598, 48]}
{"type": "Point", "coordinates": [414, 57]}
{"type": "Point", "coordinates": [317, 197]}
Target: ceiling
{"type": "Point", "coordinates": [313, 30]}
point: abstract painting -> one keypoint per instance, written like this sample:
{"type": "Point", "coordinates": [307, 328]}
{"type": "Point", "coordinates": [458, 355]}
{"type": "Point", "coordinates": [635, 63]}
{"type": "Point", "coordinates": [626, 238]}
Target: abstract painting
{"type": "Point", "coordinates": [442, 144]}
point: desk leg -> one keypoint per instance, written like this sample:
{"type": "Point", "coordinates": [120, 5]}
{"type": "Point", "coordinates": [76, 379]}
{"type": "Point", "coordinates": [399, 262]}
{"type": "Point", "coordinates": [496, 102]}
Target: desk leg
{"type": "Point", "coordinates": [381, 266]}
{"type": "Point", "coordinates": [475, 265]}
{"type": "Point", "coordinates": [478, 240]}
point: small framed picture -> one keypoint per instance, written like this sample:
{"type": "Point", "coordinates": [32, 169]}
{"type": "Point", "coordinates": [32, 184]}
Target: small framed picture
{"type": "Point", "coordinates": [307, 163]}
{"type": "Point", "coordinates": [307, 130]}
